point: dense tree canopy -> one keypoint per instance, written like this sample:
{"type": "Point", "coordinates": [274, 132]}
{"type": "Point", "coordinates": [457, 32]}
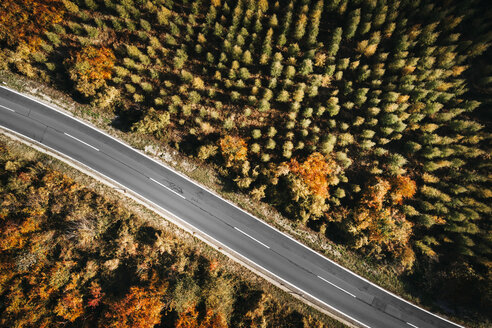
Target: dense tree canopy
{"type": "Point", "coordinates": [26, 20]}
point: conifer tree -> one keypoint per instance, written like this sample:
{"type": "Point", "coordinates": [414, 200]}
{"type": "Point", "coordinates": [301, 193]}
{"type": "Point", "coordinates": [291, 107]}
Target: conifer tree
{"type": "Point", "coordinates": [352, 23]}
{"type": "Point", "coordinates": [266, 50]}
{"type": "Point", "coordinates": [314, 21]}
{"type": "Point", "coordinates": [336, 38]}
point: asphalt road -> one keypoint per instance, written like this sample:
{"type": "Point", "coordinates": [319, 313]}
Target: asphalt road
{"type": "Point", "coordinates": [304, 271]}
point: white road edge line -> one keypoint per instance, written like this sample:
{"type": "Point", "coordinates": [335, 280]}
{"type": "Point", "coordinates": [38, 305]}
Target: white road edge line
{"type": "Point", "coordinates": [85, 143]}
{"type": "Point", "coordinates": [244, 233]}
{"type": "Point", "coordinates": [167, 188]}
{"type": "Point", "coordinates": [343, 290]}
{"type": "Point", "coordinates": [7, 108]}
{"type": "Point", "coordinates": [208, 236]}
{"type": "Point", "coordinates": [232, 204]}
{"type": "Point", "coordinates": [408, 323]}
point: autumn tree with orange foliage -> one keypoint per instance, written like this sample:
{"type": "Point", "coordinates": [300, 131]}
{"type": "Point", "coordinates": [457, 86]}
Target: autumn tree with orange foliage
{"type": "Point", "coordinates": [96, 295]}
{"type": "Point", "coordinates": [89, 69]}
{"type": "Point", "coordinates": [140, 308]}
{"type": "Point", "coordinates": [403, 187]}
{"type": "Point", "coordinates": [314, 172]}
{"type": "Point", "coordinates": [213, 320]}
{"type": "Point", "coordinates": [307, 185]}
{"type": "Point", "coordinates": [16, 236]}
{"type": "Point", "coordinates": [233, 150]}
{"type": "Point", "coordinates": [190, 319]}
{"type": "Point", "coordinates": [375, 194]}
{"type": "Point", "coordinates": [23, 21]}
{"type": "Point", "coordinates": [70, 307]}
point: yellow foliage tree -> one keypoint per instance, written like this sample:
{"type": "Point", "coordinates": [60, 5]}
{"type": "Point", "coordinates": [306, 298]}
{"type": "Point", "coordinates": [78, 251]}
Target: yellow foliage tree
{"type": "Point", "coordinates": [154, 122]}
{"type": "Point", "coordinates": [90, 68]}
{"type": "Point", "coordinates": [215, 3]}
{"type": "Point", "coordinates": [379, 225]}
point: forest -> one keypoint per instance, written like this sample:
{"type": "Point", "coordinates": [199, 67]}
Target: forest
{"type": "Point", "coordinates": [72, 257]}
{"type": "Point", "coordinates": [365, 121]}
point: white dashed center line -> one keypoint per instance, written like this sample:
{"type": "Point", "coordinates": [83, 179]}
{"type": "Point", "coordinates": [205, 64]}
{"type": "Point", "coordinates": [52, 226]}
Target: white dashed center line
{"type": "Point", "coordinates": [343, 290]}
{"type": "Point", "coordinates": [408, 323]}
{"type": "Point", "coordinates": [244, 233]}
{"type": "Point", "coordinates": [85, 143]}
{"type": "Point", "coordinates": [160, 184]}
{"type": "Point", "coordinates": [7, 108]}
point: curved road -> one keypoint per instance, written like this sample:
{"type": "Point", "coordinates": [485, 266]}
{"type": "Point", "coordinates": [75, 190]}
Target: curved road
{"type": "Point", "coordinates": [302, 270]}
